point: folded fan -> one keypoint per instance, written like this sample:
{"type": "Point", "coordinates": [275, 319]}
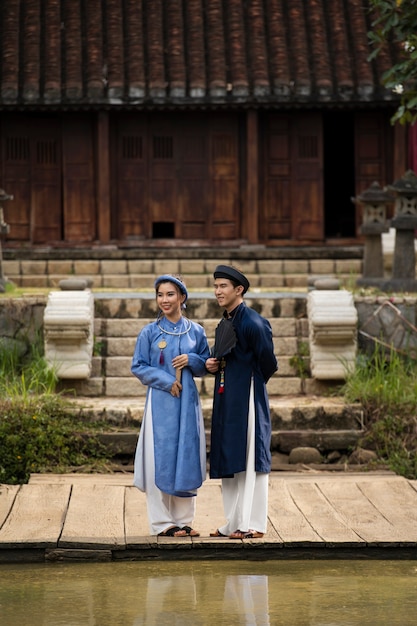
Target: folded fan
{"type": "Point", "coordinates": [224, 339]}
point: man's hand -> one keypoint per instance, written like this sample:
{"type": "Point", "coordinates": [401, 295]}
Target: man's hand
{"type": "Point", "coordinates": [212, 365]}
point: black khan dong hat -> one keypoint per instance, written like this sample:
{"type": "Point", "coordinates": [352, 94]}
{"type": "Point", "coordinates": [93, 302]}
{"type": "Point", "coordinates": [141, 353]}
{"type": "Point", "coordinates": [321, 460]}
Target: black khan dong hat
{"type": "Point", "coordinates": [225, 271]}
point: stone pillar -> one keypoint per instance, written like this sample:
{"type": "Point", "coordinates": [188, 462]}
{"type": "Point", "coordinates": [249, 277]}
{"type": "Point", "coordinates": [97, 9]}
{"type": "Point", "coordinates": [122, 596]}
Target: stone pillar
{"type": "Point", "coordinates": [405, 224]}
{"type": "Point", "coordinates": [374, 201]}
{"type": "Point", "coordinates": [4, 230]}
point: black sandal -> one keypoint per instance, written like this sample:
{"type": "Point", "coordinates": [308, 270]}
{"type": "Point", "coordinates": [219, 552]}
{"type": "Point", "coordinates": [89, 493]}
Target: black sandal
{"type": "Point", "coordinates": [190, 531]}
{"type": "Point", "coordinates": [174, 531]}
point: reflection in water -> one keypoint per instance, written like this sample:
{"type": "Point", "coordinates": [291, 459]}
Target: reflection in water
{"type": "Point", "coordinates": [263, 593]}
{"type": "Point", "coordinates": [247, 598]}
{"type": "Point", "coordinates": [170, 600]}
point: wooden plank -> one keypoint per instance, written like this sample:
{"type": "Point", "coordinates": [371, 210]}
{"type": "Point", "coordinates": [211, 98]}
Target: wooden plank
{"type": "Point", "coordinates": [209, 508]}
{"type": "Point", "coordinates": [136, 519]}
{"type": "Point", "coordinates": [118, 478]}
{"type": "Point", "coordinates": [359, 513]}
{"type": "Point", "coordinates": [36, 517]}
{"type": "Point", "coordinates": [323, 518]}
{"type": "Point", "coordinates": [287, 519]}
{"type": "Point", "coordinates": [398, 504]}
{"type": "Point", "coordinates": [7, 496]}
{"type": "Point", "coordinates": [95, 517]}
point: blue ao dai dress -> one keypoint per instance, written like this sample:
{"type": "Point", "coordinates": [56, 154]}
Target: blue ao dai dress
{"type": "Point", "coordinates": [179, 448]}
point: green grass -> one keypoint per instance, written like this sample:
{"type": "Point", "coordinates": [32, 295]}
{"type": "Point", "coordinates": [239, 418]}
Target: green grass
{"type": "Point", "coordinates": [385, 384]}
{"type": "Point", "coordinates": [23, 375]}
{"type": "Point", "coordinates": [38, 430]}
{"type": "Point", "coordinates": [42, 435]}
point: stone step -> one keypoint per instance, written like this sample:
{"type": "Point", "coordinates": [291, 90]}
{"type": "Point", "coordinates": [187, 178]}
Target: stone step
{"type": "Point", "coordinates": [291, 413]}
{"type": "Point", "coordinates": [130, 387]}
{"type": "Point", "coordinates": [123, 442]}
{"type": "Point", "coordinates": [327, 424]}
{"type": "Point", "coordinates": [130, 328]}
{"type": "Point", "coordinates": [119, 366]}
{"type": "Point", "coordinates": [136, 309]}
{"type": "Point", "coordinates": [124, 346]}
{"type": "Point", "coordinates": [139, 273]}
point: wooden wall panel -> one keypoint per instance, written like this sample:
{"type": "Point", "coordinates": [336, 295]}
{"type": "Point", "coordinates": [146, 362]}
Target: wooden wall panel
{"type": "Point", "coordinates": [79, 189]}
{"type": "Point", "coordinates": [307, 178]}
{"type": "Point", "coordinates": [275, 170]}
{"type": "Point", "coordinates": [292, 175]}
{"type": "Point", "coordinates": [15, 176]}
{"type": "Point", "coordinates": [46, 182]}
{"type": "Point", "coordinates": [181, 170]}
{"type": "Point", "coordinates": [371, 136]}
{"type": "Point", "coordinates": [225, 198]}
{"type": "Point", "coordinates": [129, 186]}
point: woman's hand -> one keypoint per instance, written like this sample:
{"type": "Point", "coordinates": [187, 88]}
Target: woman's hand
{"type": "Point", "coordinates": [180, 361]}
{"type": "Point", "coordinates": [212, 365]}
{"type": "Point", "coordinates": [176, 389]}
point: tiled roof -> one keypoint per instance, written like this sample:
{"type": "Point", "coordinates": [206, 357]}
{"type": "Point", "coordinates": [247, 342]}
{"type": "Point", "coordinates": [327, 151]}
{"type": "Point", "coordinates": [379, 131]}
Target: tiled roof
{"type": "Point", "coordinates": [184, 52]}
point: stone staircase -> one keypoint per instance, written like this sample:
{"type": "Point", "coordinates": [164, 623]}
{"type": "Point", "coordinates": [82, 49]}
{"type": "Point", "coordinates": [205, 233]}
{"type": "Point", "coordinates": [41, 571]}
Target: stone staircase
{"type": "Point", "coordinates": [304, 411]}
{"type": "Point", "coordinates": [117, 269]}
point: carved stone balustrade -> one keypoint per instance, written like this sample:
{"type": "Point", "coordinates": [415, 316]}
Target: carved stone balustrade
{"type": "Point", "coordinates": [333, 320]}
{"type": "Point", "coordinates": [69, 333]}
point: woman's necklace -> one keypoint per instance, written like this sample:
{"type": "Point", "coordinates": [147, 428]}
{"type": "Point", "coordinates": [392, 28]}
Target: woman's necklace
{"type": "Point", "coordinates": [176, 334]}
{"type": "Point", "coordinates": [163, 344]}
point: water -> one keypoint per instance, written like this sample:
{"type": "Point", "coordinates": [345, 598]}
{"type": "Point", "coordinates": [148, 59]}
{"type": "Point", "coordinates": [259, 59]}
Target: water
{"type": "Point", "coordinates": [291, 593]}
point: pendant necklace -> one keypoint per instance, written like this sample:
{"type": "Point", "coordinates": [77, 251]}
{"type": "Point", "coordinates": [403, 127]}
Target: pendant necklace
{"type": "Point", "coordinates": [163, 344]}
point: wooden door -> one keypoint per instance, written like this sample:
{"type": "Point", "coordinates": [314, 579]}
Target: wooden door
{"type": "Point", "coordinates": [307, 179]}
{"type": "Point", "coordinates": [31, 171]}
{"type": "Point", "coordinates": [192, 202]}
{"type": "Point", "coordinates": [46, 182]}
{"type": "Point", "coordinates": [224, 215]}
{"type": "Point", "coordinates": [129, 188]}
{"type": "Point", "coordinates": [15, 175]}
{"type": "Point", "coordinates": [371, 134]}
{"type": "Point", "coordinates": [79, 199]}
{"type": "Point", "coordinates": [276, 189]}
{"type": "Point", "coordinates": [176, 176]}
{"type": "Point", "coordinates": [291, 202]}
{"type": "Point", "coordinates": [47, 163]}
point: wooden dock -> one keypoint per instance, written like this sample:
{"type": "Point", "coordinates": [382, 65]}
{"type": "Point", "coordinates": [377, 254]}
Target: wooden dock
{"type": "Point", "coordinates": [311, 515]}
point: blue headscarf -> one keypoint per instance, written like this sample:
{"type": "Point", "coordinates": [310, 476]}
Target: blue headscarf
{"type": "Point", "coordinates": [172, 279]}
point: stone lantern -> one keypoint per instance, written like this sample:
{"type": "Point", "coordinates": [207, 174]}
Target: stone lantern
{"type": "Point", "coordinates": [405, 224]}
{"type": "Point", "coordinates": [374, 201]}
{"type": "Point", "coordinates": [4, 230]}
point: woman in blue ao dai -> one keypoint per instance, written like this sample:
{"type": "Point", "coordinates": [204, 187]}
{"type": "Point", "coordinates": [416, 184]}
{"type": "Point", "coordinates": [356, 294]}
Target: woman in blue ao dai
{"type": "Point", "coordinates": [170, 460]}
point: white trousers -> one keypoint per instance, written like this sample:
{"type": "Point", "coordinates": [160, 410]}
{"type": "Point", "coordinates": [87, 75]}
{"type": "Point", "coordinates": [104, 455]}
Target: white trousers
{"type": "Point", "coordinates": [163, 509]}
{"type": "Point", "coordinates": [245, 496]}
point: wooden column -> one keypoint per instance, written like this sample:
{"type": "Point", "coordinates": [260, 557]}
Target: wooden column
{"type": "Point", "coordinates": [103, 178]}
{"type": "Point", "coordinates": [251, 212]}
{"type": "Point", "coordinates": [400, 161]}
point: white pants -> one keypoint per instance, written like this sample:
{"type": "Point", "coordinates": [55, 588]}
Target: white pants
{"type": "Point", "coordinates": [245, 496]}
{"type": "Point", "coordinates": [164, 510]}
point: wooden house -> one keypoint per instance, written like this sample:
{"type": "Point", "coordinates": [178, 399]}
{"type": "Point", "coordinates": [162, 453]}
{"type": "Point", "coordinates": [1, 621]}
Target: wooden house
{"type": "Point", "coordinates": [197, 122]}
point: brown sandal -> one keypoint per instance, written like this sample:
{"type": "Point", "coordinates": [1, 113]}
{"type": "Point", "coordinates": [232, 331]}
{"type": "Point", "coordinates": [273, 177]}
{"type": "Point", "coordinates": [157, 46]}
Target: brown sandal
{"type": "Point", "coordinates": [246, 534]}
{"type": "Point", "coordinates": [217, 533]}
